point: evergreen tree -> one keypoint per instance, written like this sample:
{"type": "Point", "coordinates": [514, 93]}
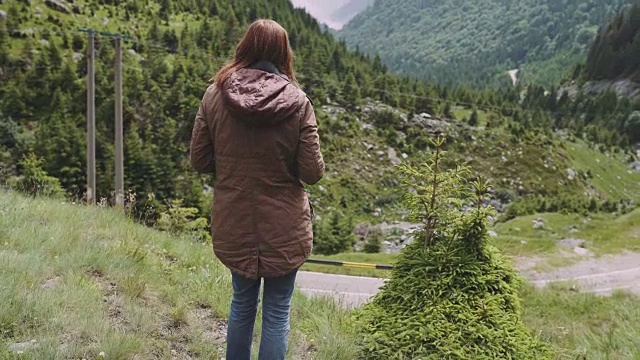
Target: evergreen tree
{"type": "Point", "coordinates": [4, 45]}
{"type": "Point", "coordinates": [451, 294]}
{"type": "Point", "coordinates": [473, 119]}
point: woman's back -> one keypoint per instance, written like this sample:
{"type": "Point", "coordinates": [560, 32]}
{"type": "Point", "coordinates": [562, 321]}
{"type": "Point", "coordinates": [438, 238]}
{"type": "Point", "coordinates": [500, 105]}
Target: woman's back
{"type": "Point", "coordinates": [264, 137]}
{"type": "Point", "coordinates": [257, 133]}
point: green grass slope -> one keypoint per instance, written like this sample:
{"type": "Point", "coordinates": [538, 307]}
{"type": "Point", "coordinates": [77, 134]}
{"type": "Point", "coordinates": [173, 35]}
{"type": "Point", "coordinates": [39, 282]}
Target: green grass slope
{"type": "Point", "coordinates": [83, 281]}
{"type": "Point", "coordinates": [584, 326]}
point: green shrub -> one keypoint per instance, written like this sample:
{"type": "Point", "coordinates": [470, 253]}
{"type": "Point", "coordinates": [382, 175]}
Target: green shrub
{"type": "Point", "coordinates": [34, 180]}
{"type": "Point", "coordinates": [373, 242]}
{"type": "Point", "coordinates": [566, 204]}
{"type": "Point", "coordinates": [451, 294]}
{"type": "Point", "coordinates": [334, 235]}
{"type": "Point", "coordinates": [181, 220]}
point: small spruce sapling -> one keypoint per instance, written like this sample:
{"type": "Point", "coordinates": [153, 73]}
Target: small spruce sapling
{"type": "Point", "coordinates": [451, 294]}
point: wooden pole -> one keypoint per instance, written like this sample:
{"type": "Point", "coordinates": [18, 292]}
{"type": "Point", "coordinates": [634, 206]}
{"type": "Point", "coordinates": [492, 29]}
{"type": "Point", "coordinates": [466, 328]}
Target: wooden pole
{"type": "Point", "coordinates": [91, 122]}
{"type": "Point", "coordinates": [119, 128]}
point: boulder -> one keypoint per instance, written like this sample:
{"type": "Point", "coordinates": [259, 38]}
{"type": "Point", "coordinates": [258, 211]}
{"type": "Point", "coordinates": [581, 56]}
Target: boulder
{"type": "Point", "coordinates": [582, 251]}
{"type": "Point", "coordinates": [571, 174]}
{"type": "Point", "coordinates": [3, 14]}
{"type": "Point", "coordinates": [23, 346]}
{"type": "Point", "coordinates": [572, 243]}
{"type": "Point", "coordinates": [51, 283]}
{"type": "Point", "coordinates": [391, 152]}
{"type": "Point", "coordinates": [58, 5]}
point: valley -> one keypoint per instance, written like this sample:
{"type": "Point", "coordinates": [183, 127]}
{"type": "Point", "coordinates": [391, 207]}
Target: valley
{"type": "Point", "coordinates": [559, 152]}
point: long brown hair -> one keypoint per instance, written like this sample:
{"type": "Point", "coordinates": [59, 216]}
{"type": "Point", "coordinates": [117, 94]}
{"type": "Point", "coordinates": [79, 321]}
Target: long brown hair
{"type": "Point", "coordinates": [264, 40]}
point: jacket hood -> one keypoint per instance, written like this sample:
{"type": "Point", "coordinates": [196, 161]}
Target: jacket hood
{"type": "Point", "coordinates": [261, 96]}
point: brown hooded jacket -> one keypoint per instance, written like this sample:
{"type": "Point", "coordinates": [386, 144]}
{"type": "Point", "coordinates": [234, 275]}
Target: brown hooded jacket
{"type": "Point", "coordinates": [258, 135]}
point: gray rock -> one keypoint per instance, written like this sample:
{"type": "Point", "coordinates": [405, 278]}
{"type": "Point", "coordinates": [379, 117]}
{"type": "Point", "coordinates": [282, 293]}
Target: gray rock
{"type": "Point", "coordinates": [404, 155]}
{"type": "Point", "coordinates": [38, 10]}
{"type": "Point", "coordinates": [43, 42]}
{"type": "Point", "coordinates": [77, 56]}
{"type": "Point", "coordinates": [367, 126]}
{"type": "Point", "coordinates": [368, 146]}
{"type": "Point", "coordinates": [571, 243]}
{"type": "Point", "coordinates": [51, 283]}
{"type": "Point", "coordinates": [635, 166]}
{"type": "Point", "coordinates": [582, 251]}
{"type": "Point", "coordinates": [105, 21]}
{"type": "Point", "coordinates": [496, 205]}
{"type": "Point", "coordinates": [23, 346]}
{"type": "Point", "coordinates": [3, 14]}
{"type": "Point", "coordinates": [571, 174]}
{"type": "Point", "coordinates": [391, 152]}
{"type": "Point", "coordinates": [538, 223]}
{"type": "Point", "coordinates": [492, 233]}
{"type": "Point", "coordinates": [58, 5]}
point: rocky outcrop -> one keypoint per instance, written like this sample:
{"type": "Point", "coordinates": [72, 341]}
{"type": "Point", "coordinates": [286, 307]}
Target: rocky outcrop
{"type": "Point", "coordinates": [624, 87]}
{"type": "Point", "coordinates": [58, 5]}
{"type": "Point", "coordinates": [395, 236]}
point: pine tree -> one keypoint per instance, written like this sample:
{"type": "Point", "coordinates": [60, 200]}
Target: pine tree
{"type": "Point", "coordinates": [4, 45]}
{"type": "Point", "coordinates": [351, 91]}
{"type": "Point", "coordinates": [451, 294]}
{"type": "Point", "coordinates": [473, 119]}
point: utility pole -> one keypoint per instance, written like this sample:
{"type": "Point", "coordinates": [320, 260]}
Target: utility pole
{"type": "Point", "coordinates": [119, 128]}
{"type": "Point", "coordinates": [91, 121]}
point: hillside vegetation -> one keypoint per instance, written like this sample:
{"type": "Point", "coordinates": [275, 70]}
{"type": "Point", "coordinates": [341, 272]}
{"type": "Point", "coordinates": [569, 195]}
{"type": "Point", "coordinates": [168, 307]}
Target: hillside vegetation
{"type": "Point", "coordinates": [78, 282]}
{"type": "Point", "coordinates": [370, 120]}
{"type": "Point", "coordinates": [477, 42]}
{"type": "Point", "coordinates": [89, 281]}
{"type": "Point", "coordinates": [615, 52]}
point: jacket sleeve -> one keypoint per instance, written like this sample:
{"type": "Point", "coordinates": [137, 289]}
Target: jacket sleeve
{"type": "Point", "coordinates": [310, 162]}
{"type": "Point", "coordinates": [201, 149]}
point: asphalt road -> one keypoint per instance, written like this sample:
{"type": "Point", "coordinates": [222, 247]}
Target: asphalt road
{"type": "Point", "coordinates": [599, 276]}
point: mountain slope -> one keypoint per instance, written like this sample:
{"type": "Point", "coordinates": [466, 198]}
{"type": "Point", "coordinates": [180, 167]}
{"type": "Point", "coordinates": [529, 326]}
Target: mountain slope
{"type": "Point", "coordinates": [615, 53]}
{"type": "Point", "coordinates": [369, 119]}
{"type": "Point", "coordinates": [477, 42]}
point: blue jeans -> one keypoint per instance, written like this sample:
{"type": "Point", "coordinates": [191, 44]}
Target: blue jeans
{"type": "Point", "coordinates": [276, 303]}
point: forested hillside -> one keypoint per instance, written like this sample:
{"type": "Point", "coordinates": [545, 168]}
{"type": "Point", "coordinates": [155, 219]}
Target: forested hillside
{"type": "Point", "coordinates": [615, 52]}
{"type": "Point", "coordinates": [536, 148]}
{"type": "Point", "coordinates": [477, 42]}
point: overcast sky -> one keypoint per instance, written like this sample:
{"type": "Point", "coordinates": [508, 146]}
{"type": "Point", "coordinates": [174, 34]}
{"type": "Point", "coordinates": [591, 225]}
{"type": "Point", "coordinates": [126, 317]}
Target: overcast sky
{"type": "Point", "coordinates": [321, 9]}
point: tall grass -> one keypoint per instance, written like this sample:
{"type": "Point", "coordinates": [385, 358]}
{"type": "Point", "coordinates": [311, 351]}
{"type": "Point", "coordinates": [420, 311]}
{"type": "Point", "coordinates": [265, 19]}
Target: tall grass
{"type": "Point", "coordinates": [84, 281]}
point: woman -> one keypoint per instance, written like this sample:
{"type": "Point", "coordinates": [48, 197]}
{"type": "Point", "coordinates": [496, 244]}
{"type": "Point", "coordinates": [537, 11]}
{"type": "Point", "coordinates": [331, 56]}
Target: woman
{"type": "Point", "coordinates": [257, 132]}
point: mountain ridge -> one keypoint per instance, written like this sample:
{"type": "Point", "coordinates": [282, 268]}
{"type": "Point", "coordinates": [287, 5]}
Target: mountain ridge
{"type": "Point", "coordinates": [478, 42]}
